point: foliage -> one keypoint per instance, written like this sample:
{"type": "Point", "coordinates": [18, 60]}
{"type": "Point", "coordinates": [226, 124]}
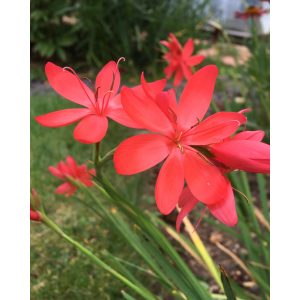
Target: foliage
{"type": "Point", "coordinates": [94, 32]}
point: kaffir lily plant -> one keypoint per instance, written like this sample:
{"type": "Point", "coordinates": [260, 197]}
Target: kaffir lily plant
{"type": "Point", "coordinates": [197, 152]}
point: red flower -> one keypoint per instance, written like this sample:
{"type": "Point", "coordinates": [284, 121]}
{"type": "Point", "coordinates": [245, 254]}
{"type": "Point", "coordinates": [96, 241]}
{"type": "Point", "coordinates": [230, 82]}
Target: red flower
{"type": "Point", "coordinates": [244, 151]}
{"type": "Point", "coordinates": [71, 169]}
{"type": "Point", "coordinates": [180, 59]}
{"type": "Point", "coordinates": [35, 216]}
{"type": "Point", "coordinates": [98, 105]}
{"type": "Point", "coordinates": [177, 135]}
{"type": "Point", "coordinates": [251, 12]}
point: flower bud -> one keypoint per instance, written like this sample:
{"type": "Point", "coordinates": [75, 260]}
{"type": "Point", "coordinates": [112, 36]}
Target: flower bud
{"type": "Point", "coordinates": [35, 216]}
{"type": "Point", "coordinates": [35, 201]}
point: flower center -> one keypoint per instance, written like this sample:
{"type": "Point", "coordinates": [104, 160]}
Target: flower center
{"type": "Point", "coordinates": [177, 141]}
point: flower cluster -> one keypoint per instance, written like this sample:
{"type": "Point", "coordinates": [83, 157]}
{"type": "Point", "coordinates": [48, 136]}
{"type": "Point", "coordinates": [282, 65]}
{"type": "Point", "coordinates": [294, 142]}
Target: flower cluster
{"type": "Point", "coordinates": [180, 59]}
{"type": "Point", "coordinates": [196, 152]}
{"type": "Point", "coordinates": [251, 12]}
{"type": "Point", "coordinates": [70, 169]}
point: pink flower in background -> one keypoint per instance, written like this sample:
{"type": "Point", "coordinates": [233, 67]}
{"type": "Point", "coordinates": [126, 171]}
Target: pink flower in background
{"type": "Point", "coordinates": [63, 170]}
{"type": "Point", "coordinates": [251, 12]}
{"type": "Point", "coordinates": [98, 105]}
{"type": "Point", "coordinates": [178, 136]}
{"type": "Point", "coordinates": [244, 151]}
{"type": "Point", "coordinates": [180, 59]}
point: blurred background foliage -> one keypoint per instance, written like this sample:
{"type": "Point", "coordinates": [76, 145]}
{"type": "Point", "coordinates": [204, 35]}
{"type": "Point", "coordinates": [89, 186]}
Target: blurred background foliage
{"type": "Point", "coordinates": [93, 32]}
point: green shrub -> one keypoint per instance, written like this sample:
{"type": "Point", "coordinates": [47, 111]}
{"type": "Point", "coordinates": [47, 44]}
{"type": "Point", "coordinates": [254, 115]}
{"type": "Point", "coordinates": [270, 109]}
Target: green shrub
{"type": "Point", "coordinates": [94, 31]}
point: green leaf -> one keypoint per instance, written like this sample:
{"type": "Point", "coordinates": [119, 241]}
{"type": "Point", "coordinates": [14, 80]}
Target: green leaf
{"type": "Point", "coordinates": [127, 296]}
{"type": "Point", "coordinates": [226, 284]}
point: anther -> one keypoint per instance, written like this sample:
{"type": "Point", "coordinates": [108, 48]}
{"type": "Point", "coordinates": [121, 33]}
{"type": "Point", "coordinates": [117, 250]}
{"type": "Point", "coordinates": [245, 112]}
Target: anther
{"type": "Point", "coordinates": [180, 148]}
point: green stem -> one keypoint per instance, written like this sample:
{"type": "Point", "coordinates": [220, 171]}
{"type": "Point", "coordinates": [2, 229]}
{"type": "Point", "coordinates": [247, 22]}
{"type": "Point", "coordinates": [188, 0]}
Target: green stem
{"type": "Point", "coordinates": [96, 153]}
{"type": "Point", "coordinates": [141, 291]}
{"type": "Point", "coordinates": [106, 157]}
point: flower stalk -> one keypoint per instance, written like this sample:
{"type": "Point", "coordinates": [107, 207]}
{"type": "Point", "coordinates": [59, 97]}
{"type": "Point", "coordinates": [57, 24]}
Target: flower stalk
{"type": "Point", "coordinates": [139, 290]}
{"type": "Point", "coordinates": [207, 259]}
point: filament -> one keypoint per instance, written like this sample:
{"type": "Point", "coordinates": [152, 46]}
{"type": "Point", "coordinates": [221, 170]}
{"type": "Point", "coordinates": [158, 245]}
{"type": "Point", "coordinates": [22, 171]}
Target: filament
{"type": "Point", "coordinates": [109, 92]}
{"type": "Point", "coordinates": [119, 60]}
{"type": "Point", "coordinates": [242, 194]}
{"type": "Point", "coordinates": [80, 82]}
{"type": "Point", "coordinates": [203, 212]}
{"type": "Point", "coordinates": [89, 80]}
{"type": "Point", "coordinates": [192, 127]}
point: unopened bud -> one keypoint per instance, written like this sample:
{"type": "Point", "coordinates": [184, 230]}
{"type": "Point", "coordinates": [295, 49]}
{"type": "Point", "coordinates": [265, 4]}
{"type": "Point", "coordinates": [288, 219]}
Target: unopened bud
{"type": "Point", "coordinates": [35, 216]}
{"type": "Point", "coordinates": [35, 201]}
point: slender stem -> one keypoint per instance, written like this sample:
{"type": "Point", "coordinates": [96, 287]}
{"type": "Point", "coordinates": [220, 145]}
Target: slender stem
{"type": "Point", "coordinates": [141, 291]}
{"type": "Point", "coordinates": [194, 236]}
{"type": "Point", "coordinates": [96, 153]}
{"type": "Point", "coordinates": [106, 157]}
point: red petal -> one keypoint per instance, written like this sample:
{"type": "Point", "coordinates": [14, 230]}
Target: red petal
{"type": "Point", "coordinates": [247, 155]}
{"type": "Point", "coordinates": [108, 79]}
{"type": "Point", "coordinates": [56, 172]}
{"type": "Point", "coordinates": [205, 180]}
{"type": "Point", "coordinates": [117, 113]}
{"type": "Point", "coordinates": [187, 202]}
{"type": "Point", "coordinates": [224, 116]}
{"type": "Point", "coordinates": [174, 41]}
{"type": "Point", "coordinates": [62, 117]}
{"type": "Point", "coordinates": [69, 85]}
{"type": "Point", "coordinates": [187, 71]}
{"type": "Point", "coordinates": [145, 112]}
{"type": "Point", "coordinates": [196, 96]}
{"type": "Point", "coordinates": [225, 210]}
{"type": "Point", "coordinates": [155, 86]}
{"type": "Point", "coordinates": [140, 153]}
{"type": "Point", "coordinates": [257, 135]}
{"type": "Point", "coordinates": [169, 183]}
{"type": "Point", "coordinates": [188, 49]}
{"type": "Point", "coordinates": [71, 163]}
{"type": "Point", "coordinates": [215, 128]}
{"type": "Point", "coordinates": [153, 89]}
{"type": "Point", "coordinates": [169, 70]}
{"type": "Point", "coordinates": [178, 77]}
{"type": "Point", "coordinates": [211, 135]}
{"type": "Point", "coordinates": [194, 60]}
{"type": "Point", "coordinates": [166, 101]}
{"type": "Point", "coordinates": [66, 188]}
{"type": "Point", "coordinates": [120, 116]}
{"type": "Point", "coordinates": [165, 43]}
{"type": "Point", "coordinates": [91, 129]}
